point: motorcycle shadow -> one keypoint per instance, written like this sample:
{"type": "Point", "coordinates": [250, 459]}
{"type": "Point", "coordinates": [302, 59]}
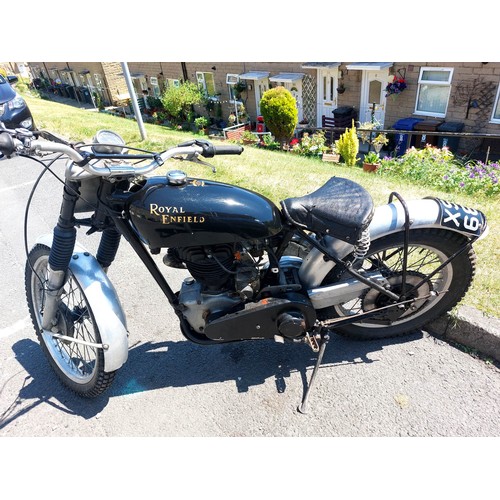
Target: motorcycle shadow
{"type": "Point", "coordinates": [41, 386]}
{"type": "Point", "coordinates": [157, 365]}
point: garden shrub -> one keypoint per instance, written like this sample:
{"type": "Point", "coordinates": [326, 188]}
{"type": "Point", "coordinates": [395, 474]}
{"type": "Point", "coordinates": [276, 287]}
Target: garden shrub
{"type": "Point", "coordinates": [269, 143]}
{"type": "Point", "coordinates": [279, 110]}
{"type": "Point", "coordinates": [178, 101]}
{"type": "Point", "coordinates": [347, 146]}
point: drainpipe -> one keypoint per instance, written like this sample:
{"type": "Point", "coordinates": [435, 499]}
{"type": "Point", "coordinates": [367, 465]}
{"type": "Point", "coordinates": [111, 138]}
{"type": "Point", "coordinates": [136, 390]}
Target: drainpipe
{"type": "Point", "coordinates": [133, 98]}
{"type": "Point", "coordinates": [184, 71]}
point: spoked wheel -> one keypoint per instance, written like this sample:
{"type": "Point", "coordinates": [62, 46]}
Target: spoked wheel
{"type": "Point", "coordinates": [80, 365]}
{"type": "Point", "coordinates": [428, 249]}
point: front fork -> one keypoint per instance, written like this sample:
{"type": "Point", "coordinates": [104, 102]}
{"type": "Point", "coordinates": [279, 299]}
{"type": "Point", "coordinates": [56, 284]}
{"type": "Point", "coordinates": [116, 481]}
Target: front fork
{"type": "Point", "coordinates": [63, 244]}
{"type": "Point", "coordinates": [61, 251]}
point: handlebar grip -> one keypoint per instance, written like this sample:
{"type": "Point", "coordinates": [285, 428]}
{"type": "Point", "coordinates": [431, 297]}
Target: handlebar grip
{"type": "Point", "coordinates": [230, 149]}
{"type": "Point", "coordinates": [7, 146]}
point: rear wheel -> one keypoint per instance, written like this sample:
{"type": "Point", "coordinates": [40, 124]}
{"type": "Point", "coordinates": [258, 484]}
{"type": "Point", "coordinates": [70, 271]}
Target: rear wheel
{"type": "Point", "coordinates": [79, 365]}
{"type": "Point", "coordinates": [428, 249]}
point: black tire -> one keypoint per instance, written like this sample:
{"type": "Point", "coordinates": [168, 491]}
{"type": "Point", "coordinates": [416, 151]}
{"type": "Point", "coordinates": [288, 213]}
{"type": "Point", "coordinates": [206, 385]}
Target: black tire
{"type": "Point", "coordinates": [79, 367]}
{"type": "Point", "coordinates": [428, 248]}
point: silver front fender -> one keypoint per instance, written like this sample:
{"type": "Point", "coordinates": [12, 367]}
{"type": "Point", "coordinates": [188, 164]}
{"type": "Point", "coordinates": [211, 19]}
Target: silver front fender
{"type": "Point", "coordinates": [104, 303]}
{"type": "Point", "coordinates": [390, 218]}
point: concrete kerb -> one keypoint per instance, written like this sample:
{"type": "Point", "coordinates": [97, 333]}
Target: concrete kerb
{"type": "Point", "coordinates": [471, 328]}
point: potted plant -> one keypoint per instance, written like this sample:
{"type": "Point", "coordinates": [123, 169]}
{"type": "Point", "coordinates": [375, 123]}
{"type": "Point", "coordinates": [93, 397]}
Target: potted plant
{"type": "Point", "coordinates": [231, 119]}
{"type": "Point", "coordinates": [248, 137]}
{"type": "Point", "coordinates": [201, 123]}
{"type": "Point", "coordinates": [379, 142]}
{"type": "Point", "coordinates": [397, 85]}
{"type": "Point", "coordinates": [371, 161]}
{"type": "Point", "coordinates": [238, 89]}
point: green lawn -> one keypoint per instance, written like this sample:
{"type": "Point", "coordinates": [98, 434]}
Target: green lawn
{"type": "Point", "coordinates": [278, 175]}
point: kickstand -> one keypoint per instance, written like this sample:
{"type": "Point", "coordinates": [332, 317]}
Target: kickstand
{"type": "Point", "coordinates": [303, 406]}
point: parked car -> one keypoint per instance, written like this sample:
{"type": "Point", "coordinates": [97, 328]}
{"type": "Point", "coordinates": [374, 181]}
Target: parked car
{"type": "Point", "coordinates": [14, 111]}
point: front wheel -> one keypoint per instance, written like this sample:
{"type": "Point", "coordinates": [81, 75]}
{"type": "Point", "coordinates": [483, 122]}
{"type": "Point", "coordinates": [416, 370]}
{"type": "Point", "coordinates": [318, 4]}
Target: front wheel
{"type": "Point", "coordinates": [80, 363]}
{"type": "Point", "coordinates": [428, 249]}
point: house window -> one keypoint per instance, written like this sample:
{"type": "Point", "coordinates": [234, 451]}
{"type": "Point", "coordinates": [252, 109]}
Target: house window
{"type": "Point", "coordinates": [434, 85]}
{"type": "Point", "coordinates": [65, 78]}
{"type": "Point", "coordinates": [172, 82]}
{"type": "Point", "coordinates": [153, 80]}
{"type": "Point", "coordinates": [206, 82]}
{"type": "Point", "coordinates": [328, 88]}
{"type": "Point", "coordinates": [98, 80]}
{"type": "Point", "coordinates": [232, 80]}
{"type": "Point", "coordinates": [495, 117]}
{"type": "Point", "coordinates": [90, 84]}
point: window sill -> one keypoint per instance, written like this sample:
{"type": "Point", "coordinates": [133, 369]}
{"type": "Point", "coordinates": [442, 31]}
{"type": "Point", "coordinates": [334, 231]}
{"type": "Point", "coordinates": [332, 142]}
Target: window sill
{"type": "Point", "coordinates": [430, 115]}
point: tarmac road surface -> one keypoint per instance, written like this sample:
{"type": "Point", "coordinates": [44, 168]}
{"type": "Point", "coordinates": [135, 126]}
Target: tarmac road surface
{"type": "Point", "coordinates": [413, 386]}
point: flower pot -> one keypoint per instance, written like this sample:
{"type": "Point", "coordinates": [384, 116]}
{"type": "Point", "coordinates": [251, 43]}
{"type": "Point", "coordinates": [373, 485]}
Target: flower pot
{"type": "Point", "coordinates": [370, 167]}
{"type": "Point", "coordinates": [331, 157]}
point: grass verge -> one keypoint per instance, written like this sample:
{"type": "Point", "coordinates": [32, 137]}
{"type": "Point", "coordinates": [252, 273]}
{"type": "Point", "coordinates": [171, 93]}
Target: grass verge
{"type": "Point", "coordinates": [279, 175]}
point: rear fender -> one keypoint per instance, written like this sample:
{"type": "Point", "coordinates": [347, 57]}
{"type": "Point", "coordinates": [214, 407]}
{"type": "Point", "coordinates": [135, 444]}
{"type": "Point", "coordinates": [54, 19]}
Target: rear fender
{"type": "Point", "coordinates": [390, 218]}
{"type": "Point", "coordinates": [104, 302]}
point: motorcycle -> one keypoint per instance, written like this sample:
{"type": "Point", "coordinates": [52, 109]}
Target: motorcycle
{"type": "Point", "coordinates": [325, 262]}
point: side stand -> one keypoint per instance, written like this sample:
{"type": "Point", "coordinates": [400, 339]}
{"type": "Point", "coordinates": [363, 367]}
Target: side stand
{"type": "Point", "coordinates": [324, 340]}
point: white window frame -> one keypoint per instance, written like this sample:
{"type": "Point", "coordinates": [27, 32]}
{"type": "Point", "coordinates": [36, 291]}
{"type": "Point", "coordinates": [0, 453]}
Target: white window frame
{"type": "Point", "coordinates": [446, 83]}
{"type": "Point", "coordinates": [231, 80]}
{"type": "Point", "coordinates": [173, 82]}
{"type": "Point", "coordinates": [496, 105]}
{"type": "Point", "coordinates": [98, 81]}
{"type": "Point", "coordinates": [153, 81]}
{"type": "Point", "coordinates": [200, 77]}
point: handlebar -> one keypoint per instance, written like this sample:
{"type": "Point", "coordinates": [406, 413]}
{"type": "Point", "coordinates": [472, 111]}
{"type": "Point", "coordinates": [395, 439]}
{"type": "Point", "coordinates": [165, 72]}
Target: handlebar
{"type": "Point", "coordinates": [22, 140]}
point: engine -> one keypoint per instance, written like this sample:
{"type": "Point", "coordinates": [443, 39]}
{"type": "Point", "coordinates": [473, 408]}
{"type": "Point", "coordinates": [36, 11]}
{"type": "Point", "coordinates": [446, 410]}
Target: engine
{"type": "Point", "coordinates": [222, 278]}
{"type": "Point", "coordinates": [219, 268]}
{"type": "Point", "coordinates": [223, 297]}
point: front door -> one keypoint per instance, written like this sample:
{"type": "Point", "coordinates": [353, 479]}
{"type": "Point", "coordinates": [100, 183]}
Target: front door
{"type": "Point", "coordinates": [261, 86]}
{"type": "Point", "coordinates": [373, 98]}
{"type": "Point", "coordinates": [327, 93]}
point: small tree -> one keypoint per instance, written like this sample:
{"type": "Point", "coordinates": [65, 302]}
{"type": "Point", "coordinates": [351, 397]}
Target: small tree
{"type": "Point", "coordinates": [280, 114]}
{"type": "Point", "coordinates": [348, 146]}
{"type": "Point", "coordinates": [178, 101]}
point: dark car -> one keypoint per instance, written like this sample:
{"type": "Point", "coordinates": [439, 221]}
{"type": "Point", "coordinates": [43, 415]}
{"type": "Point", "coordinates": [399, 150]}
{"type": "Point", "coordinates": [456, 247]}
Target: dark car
{"type": "Point", "coordinates": [14, 111]}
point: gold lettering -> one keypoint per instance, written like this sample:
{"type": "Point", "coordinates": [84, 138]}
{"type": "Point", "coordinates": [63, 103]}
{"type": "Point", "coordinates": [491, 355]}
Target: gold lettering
{"type": "Point", "coordinates": [156, 209]}
{"type": "Point", "coordinates": [172, 219]}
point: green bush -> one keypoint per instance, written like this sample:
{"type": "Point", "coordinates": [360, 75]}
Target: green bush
{"type": "Point", "coordinates": [178, 101]}
{"type": "Point", "coordinates": [269, 143]}
{"type": "Point", "coordinates": [279, 110]}
{"type": "Point", "coordinates": [347, 146]}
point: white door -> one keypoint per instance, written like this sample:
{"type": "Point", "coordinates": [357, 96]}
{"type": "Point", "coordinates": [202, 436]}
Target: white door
{"type": "Point", "coordinates": [373, 98]}
{"type": "Point", "coordinates": [327, 93]}
{"type": "Point", "coordinates": [261, 86]}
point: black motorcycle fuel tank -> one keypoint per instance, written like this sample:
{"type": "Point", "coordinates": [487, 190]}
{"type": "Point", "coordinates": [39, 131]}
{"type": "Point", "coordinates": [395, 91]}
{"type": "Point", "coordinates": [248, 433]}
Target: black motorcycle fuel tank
{"type": "Point", "coordinates": [175, 211]}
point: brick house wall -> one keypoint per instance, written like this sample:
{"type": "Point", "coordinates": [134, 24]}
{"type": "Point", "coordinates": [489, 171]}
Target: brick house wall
{"type": "Point", "coordinates": [248, 95]}
{"type": "Point", "coordinates": [472, 82]}
{"type": "Point", "coordinates": [114, 87]}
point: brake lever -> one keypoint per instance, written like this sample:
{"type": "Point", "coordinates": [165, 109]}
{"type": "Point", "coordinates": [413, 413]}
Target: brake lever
{"type": "Point", "coordinates": [194, 158]}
